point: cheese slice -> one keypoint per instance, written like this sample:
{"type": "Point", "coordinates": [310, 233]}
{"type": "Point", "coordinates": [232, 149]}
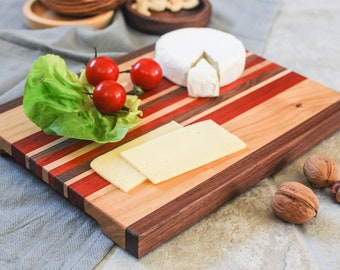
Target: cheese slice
{"type": "Point", "coordinates": [182, 150]}
{"type": "Point", "coordinates": [112, 167]}
{"type": "Point", "coordinates": [203, 80]}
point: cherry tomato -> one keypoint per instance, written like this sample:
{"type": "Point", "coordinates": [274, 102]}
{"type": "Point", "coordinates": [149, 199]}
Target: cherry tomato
{"type": "Point", "coordinates": [101, 68]}
{"type": "Point", "coordinates": [146, 73]}
{"type": "Point", "coordinates": [109, 97]}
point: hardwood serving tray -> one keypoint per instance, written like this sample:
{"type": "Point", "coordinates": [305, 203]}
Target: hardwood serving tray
{"type": "Point", "coordinates": [277, 112]}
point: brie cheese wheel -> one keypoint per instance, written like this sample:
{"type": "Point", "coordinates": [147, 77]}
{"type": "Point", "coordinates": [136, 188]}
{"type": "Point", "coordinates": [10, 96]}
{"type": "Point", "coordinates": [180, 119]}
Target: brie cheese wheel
{"type": "Point", "coordinates": [180, 50]}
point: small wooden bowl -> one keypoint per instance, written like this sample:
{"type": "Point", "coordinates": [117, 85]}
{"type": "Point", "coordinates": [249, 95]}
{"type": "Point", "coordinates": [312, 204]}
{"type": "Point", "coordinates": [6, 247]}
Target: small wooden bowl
{"type": "Point", "coordinates": [81, 8]}
{"type": "Point", "coordinates": [38, 16]}
{"type": "Point", "coordinates": [162, 22]}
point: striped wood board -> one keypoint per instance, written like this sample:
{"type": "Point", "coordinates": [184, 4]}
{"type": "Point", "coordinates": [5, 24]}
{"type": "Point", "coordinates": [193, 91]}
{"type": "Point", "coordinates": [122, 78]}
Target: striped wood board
{"type": "Point", "coordinates": [278, 113]}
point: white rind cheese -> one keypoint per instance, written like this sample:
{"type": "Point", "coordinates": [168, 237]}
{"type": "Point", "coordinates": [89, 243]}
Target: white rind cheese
{"type": "Point", "coordinates": [113, 168]}
{"type": "Point", "coordinates": [182, 150]}
{"type": "Point", "coordinates": [180, 50]}
{"type": "Point", "coordinates": [203, 80]}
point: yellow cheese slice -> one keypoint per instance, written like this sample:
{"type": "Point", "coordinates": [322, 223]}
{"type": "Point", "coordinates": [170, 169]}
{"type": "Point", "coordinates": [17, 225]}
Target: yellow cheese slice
{"type": "Point", "coordinates": [182, 150]}
{"type": "Point", "coordinates": [112, 167]}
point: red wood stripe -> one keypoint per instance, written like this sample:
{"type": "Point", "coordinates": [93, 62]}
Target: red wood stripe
{"type": "Point", "coordinates": [35, 141]}
{"type": "Point", "coordinates": [253, 99]}
{"type": "Point", "coordinates": [78, 191]}
{"type": "Point", "coordinates": [165, 84]}
{"type": "Point", "coordinates": [163, 101]}
{"type": "Point", "coordinates": [252, 60]}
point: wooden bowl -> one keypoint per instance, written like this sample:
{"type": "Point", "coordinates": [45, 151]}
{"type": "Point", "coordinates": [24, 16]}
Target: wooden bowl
{"type": "Point", "coordinates": [162, 22]}
{"type": "Point", "coordinates": [38, 16]}
{"type": "Point", "coordinates": [82, 7]}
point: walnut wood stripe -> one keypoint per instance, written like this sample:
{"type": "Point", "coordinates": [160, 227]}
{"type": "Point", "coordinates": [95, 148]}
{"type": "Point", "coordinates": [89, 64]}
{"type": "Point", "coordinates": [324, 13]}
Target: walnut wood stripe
{"type": "Point", "coordinates": [10, 105]}
{"type": "Point", "coordinates": [38, 150]}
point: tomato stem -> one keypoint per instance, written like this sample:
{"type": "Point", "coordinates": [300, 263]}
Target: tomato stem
{"type": "Point", "coordinates": [125, 71]}
{"type": "Point", "coordinates": [137, 91]}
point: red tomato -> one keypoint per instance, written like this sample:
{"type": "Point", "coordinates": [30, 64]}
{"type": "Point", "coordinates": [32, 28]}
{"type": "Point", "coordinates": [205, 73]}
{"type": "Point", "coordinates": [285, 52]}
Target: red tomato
{"type": "Point", "coordinates": [101, 68]}
{"type": "Point", "coordinates": [109, 97]}
{"type": "Point", "coordinates": [146, 73]}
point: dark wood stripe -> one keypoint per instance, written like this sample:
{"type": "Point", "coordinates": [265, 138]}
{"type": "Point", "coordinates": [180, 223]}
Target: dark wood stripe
{"type": "Point", "coordinates": [56, 152]}
{"type": "Point", "coordinates": [10, 105]}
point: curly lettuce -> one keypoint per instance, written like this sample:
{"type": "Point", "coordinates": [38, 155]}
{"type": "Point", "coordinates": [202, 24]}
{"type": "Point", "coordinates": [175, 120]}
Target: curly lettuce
{"type": "Point", "coordinates": [59, 102]}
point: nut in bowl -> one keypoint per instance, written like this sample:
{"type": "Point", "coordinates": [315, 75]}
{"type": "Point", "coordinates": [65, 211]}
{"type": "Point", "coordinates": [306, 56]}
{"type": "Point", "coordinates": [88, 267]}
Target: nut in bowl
{"type": "Point", "coordinates": [164, 20]}
{"type": "Point", "coordinates": [82, 8]}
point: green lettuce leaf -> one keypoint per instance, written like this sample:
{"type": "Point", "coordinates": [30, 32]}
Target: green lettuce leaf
{"type": "Point", "coordinates": [58, 101]}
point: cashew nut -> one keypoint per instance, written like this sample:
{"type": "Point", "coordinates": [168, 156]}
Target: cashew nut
{"type": "Point", "coordinates": [146, 6]}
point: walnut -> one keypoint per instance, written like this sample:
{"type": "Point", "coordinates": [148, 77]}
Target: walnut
{"type": "Point", "coordinates": [335, 191]}
{"type": "Point", "coordinates": [320, 170]}
{"type": "Point", "coordinates": [295, 203]}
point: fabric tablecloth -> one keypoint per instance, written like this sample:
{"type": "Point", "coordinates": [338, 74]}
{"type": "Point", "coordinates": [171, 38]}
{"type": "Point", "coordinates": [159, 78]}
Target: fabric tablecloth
{"type": "Point", "coordinates": [39, 229]}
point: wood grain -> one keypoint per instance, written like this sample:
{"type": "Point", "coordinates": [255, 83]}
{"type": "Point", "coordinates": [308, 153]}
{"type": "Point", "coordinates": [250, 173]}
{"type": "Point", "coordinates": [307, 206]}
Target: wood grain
{"type": "Point", "coordinates": [278, 113]}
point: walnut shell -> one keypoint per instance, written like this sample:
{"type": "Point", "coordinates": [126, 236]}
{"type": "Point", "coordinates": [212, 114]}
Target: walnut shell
{"type": "Point", "coordinates": [295, 203]}
{"type": "Point", "coordinates": [320, 170]}
{"type": "Point", "coordinates": [335, 192]}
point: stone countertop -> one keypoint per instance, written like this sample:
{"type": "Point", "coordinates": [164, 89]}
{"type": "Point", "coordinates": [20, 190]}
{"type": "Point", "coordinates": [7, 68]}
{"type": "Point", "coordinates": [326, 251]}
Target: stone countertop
{"type": "Point", "coordinates": [244, 233]}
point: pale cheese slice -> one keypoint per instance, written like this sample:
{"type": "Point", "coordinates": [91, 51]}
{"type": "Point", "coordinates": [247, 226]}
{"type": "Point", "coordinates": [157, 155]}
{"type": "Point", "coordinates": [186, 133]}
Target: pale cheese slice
{"type": "Point", "coordinates": [182, 150]}
{"type": "Point", "coordinates": [113, 168]}
{"type": "Point", "coordinates": [203, 80]}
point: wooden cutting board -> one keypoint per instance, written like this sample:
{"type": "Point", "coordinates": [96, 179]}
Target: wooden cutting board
{"type": "Point", "coordinates": [278, 113]}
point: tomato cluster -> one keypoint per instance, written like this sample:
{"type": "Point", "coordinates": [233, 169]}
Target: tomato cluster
{"type": "Point", "coordinates": [109, 96]}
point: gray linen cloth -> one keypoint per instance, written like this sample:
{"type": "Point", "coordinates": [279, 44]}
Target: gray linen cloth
{"type": "Point", "coordinates": [39, 229]}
